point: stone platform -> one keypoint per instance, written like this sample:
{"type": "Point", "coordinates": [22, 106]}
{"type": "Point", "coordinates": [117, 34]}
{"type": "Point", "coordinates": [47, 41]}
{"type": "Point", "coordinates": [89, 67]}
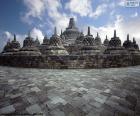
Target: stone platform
{"type": "Point", "coordinates": [82, 92]}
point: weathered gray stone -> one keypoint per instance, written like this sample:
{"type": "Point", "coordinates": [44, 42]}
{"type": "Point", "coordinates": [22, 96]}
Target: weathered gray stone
{"type": "Point", "coordinates": [7, 110]}
{"type": "Point", "coordinates": [34, 109]}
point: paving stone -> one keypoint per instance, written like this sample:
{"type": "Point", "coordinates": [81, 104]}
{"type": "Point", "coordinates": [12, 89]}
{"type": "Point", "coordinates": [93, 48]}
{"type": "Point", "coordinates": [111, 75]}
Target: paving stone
{"type": "Point", "coordinates": [7, 110]}
{"type": "Point", "coordinates": [106, 113]}
{"type": "Point", "coordinates": [58, 99]}
{"type": "Point", "coordinates": [57, 112]}
{"type": "Point", "coordinates": [131, 99]}
{"type": "Point", "coordinates": [36, 89]}
{"type": "Point", "coordinates": [100, 100]}
{"type": "Point", "coordinates": [96, 104]}
{"type": "Point", "coordinates": [107, 91]}
{"type": "Point", "coordinates": [67, 93]}
{"type": "Point", "coordinates": [86, 108]}
{"type": "Point", "coordinates": [34, 109]}
{"type": "Point", "coordinates": [15, 95]}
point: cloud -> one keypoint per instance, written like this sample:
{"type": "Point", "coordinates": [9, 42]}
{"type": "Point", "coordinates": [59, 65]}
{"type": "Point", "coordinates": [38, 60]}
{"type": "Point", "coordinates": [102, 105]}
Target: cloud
{"type": "Point", "coordinates": [134, 15]}
{"type": "Point", "coordinates": [82, 7]}
{"type": "Point", "coordinates": [37, 33]}
{"type": "Point", "coordinates": [53, 13]}
{"type": "Point", "coordinates": [46, 11]}
{"type": "Point", "coordinates": [122, 27]}
{"type": "Point", "coordinates": [99, 11]}
{"type": "Point", "coordinates": [121, 3]}
{"type": "Point", "coordinates": [35, 9]}
{"type": "Point", "coordinates": [6, 35]}
{"type": "Point", "coordinates": [57, 18]}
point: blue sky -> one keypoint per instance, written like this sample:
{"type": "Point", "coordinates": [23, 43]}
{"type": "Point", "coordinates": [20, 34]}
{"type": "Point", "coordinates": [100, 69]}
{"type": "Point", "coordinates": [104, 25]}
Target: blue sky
{"type": "Point", "coordinates": [40, 17]}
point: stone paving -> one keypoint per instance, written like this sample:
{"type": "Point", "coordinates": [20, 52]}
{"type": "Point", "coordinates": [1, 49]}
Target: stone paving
{"type": "Point", "coordinates": [93, 92]}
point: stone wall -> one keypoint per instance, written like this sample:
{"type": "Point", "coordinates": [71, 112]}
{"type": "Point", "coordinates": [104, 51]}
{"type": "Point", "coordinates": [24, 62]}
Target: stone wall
{"type": "Point", "coordinates": [70, 62]}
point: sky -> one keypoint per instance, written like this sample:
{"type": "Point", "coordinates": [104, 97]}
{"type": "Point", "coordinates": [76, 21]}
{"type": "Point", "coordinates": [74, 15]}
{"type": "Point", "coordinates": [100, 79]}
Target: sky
{"type": "Point", "coordinates": [39, 17]}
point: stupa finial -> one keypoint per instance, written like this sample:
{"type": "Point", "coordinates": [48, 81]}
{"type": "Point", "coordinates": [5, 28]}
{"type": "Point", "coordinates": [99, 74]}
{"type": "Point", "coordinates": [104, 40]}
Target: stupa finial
{"type": "Point", "coordinates": [106, 37]}
{"type": "Point", "coordinates": [14, 37]}
{"type": "Point", "coordinates": [114, 33]}
{"type": "Point", "coordinates": [97, 34]}
{"type": "Point", "coordinates": [88, 30]}
{"type": "Point", "coordinates": [127, 37]}
{"type": "Point", "coordinates": [55, 31]}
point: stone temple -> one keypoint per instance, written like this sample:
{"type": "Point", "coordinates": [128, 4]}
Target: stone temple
{"type": "Point", "coordinates": [72, 49]}
{"type": "Point", "coordinates": [71, 33]}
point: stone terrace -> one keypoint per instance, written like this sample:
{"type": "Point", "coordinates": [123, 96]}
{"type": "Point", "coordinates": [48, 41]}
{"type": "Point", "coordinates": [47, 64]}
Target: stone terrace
{"type": "Point", "coordinates": [93, 92]}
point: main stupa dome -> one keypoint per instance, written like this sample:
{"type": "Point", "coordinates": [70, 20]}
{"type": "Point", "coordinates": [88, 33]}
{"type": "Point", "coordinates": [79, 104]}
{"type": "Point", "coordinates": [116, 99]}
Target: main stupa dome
{"type": "Point", "coordinates": [71, 33]}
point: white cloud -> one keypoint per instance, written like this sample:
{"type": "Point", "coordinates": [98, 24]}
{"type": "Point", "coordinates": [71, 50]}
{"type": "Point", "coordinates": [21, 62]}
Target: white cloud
{"type": "Point", "coordinates": [35, 32]}
{"type": "Point", "coordinates": [122, 27]}
{"type": "Point", "coordinates": [134, 15]}
{"type": "Point", "coordinates": [5, 36]}
{"type": "Point", "coordinates": [35, 9]}
{"type": "Point", "coordinates": [99, 11]}
{"type": "Point", "coordinates": [57, 18]}
{"type": "Point", "coordinates": [122, 2]}
{"type": "Point", "coordinates": [82, 7]}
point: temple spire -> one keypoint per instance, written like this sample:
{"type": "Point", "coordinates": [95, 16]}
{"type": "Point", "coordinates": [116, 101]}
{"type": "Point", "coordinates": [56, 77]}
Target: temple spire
{"type": "Point", "coordinates": [8, 41]}
{"type": "Point", "coordinates": [36, 37]}
{"type": "Point", "coordinates": [127, 37]}
{"type": "Point", "coordinates": [88, 30]}
{"type": "Point", "coordinates": [45, 36]}
{"type": "Point", "coordinates": [71, 23]}
{"type": "Point", "coordinates": [106, 37]}
{"type": "Point", "coordinates": [134, 41]}
{"type": "Point", "coordinates": [114, 33]}
{"type": "Point", "coordinates": [29, 34]}
{"type": "Point", "coordinates": [14, 37]}
{"type": "Point", "coordinates": [97, 34]}
{"type": "Point", "coordinates": [55, 31]}
{"type": "Point", "coordinates": [61, 32]}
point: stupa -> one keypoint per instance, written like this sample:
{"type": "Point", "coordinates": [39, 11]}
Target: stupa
{"type": "Point", "coordinates": [114, 46]}
{"type": "Point", "coordinates": [98, 40]}
{"type": "Point", "coordinates": [89, 47]}
{"type": "Point", "coordinates": [106, 41]}
{"type": "Point", "coordinates": [71, 33]}
{"type": "Point", "coordinates": [29, 47]}
{"type": "Point", "coordinates": [55, 45]}
{"type": "Point", "coordinates": [12, 46]}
